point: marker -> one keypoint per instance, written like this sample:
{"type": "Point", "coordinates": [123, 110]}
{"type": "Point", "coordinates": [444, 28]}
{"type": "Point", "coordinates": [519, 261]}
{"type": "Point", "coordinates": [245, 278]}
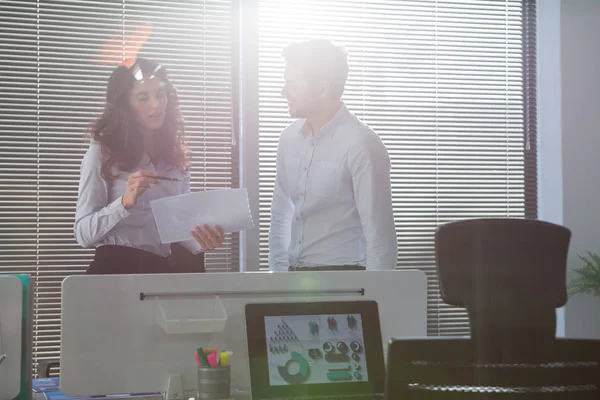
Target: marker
{"type": "Point", "coordinates": [212, 360]}
{"type": "Point", "coordinates": [198, 363]}
{"type": "Point", "coordinates": [224, 359]}
{"type": "Point", "coordinates": [210, 350]}
{"type": "Point", "coordinates": [202, 357]}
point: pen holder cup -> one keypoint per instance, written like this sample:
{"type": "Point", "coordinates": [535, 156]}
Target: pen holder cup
{"type": "Point", "coordinates": [214, 383]}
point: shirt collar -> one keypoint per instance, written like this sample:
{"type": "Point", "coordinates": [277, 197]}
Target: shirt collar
{"type": "Point", "coordinates": [146, 162]}
{"type": "Point", "coordinates": [331, 126]}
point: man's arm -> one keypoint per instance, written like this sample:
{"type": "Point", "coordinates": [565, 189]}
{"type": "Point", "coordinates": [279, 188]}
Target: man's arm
{"type": "Point", "coordinates": [282, 210]}
{"type": "Point", "coordinates": [369, 164]}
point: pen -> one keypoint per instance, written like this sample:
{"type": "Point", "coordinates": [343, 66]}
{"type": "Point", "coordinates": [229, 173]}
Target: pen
{"type": "Point", "coordinates": [167, 178]}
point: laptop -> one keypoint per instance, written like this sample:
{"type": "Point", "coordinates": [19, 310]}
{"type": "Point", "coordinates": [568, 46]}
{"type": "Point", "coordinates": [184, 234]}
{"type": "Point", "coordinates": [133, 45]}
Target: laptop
{"type": "Point", "coordinates": [315, 350]}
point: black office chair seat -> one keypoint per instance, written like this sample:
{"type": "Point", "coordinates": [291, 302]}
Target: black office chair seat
{"type": "Point", "coordinates": [447, 368]}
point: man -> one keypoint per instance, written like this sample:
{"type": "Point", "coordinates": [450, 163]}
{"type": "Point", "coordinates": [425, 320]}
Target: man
{"type": "Point", "coordinates": [332, 206]}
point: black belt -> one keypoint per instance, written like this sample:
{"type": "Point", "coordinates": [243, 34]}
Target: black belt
{"type": "Point", "coordinates": [329, 268]}
{"type": "Point", "coordinates": [113, 259]}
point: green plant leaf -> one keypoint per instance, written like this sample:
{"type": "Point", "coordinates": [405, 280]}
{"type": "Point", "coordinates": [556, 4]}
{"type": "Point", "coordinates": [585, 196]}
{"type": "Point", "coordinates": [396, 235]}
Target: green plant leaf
{"type": "Point", "coordinates": [588, 276]}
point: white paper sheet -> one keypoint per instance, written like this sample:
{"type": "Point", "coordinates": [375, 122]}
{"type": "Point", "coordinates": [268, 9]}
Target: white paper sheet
{"type": "Point", "coordinates": [176, 216]}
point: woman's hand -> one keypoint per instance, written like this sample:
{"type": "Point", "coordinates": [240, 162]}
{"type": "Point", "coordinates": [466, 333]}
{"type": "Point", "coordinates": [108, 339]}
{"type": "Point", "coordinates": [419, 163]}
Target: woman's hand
{"type": "Point", "coordinates": [209, 239]}
{"type": "Point", "coordinates": [137, 184]}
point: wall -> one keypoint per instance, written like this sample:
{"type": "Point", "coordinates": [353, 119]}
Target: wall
{"type": "Point", "coordinates": [580, 103]}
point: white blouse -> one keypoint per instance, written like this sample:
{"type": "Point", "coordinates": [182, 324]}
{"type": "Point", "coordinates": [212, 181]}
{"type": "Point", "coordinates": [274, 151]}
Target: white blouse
{"type": "Point", "coordinates": [102, 219]}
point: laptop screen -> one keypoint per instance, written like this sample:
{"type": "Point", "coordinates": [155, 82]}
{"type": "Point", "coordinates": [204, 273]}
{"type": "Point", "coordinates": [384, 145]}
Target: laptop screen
{"type": "Point", "coordinates": [314, 349]}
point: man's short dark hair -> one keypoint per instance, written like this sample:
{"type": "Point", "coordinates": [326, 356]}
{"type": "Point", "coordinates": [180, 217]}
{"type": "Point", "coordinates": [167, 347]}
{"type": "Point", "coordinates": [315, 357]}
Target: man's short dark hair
{"type": "Point", "coordinates": [319, 59]}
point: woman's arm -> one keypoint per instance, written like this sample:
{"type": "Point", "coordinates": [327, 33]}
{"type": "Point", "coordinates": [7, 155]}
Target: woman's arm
{"type": "Point", "coordinates": [95, 216]}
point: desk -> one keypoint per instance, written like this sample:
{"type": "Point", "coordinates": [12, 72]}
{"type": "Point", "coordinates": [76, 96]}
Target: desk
{"type": "Point", "coordinates": [54, 394]}
{"type": "Point", "coordinates": [239, 396]}
{"type": "Point", "coordinates": [140, 353]}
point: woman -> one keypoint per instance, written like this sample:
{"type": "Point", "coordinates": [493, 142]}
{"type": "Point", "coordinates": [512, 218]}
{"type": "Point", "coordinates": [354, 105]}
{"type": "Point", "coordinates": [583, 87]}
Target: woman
{"type": "Point", "coordinates": [137, 140]}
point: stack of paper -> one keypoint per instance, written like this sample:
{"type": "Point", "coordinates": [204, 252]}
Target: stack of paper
{"type": "Point", "coordinates": [177, 216]}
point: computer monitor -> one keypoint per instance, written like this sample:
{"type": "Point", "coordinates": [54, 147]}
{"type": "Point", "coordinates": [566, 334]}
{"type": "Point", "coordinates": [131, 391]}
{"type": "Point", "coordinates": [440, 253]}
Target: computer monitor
{"type": "Point", "coordinates": [15, 337]}
{"type": "Point", "coordinates": [132, 333]}
{"type": "Point", "coordinates": [315, 350]}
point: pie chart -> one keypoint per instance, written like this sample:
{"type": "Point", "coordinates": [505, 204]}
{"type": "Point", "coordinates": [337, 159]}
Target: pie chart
{"type": "Point", "coordinates": [302, 373]}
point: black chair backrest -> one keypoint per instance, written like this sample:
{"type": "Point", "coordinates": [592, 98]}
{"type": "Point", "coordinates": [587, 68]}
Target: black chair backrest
{"type": "Point", "coordinates": [447, 368]}
{"type": "Point", "coordinates": [510, 274]}
{"type": "Point", "coordinates": [525, 258]}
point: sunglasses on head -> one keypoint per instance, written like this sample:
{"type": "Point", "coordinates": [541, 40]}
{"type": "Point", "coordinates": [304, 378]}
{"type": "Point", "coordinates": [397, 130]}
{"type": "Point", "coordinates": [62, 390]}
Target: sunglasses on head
{"type": "Point", "coordinates": [136, 70]}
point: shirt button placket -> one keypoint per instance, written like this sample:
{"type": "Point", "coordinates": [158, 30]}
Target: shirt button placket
{"type": "Point", "coordinates": [306, 162]}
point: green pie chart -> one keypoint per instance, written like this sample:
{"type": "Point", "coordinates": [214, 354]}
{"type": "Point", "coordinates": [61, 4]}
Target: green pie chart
{"type": "Point", "coordinates": [302, 374]}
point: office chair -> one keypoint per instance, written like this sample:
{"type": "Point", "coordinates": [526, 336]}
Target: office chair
{"type": "Point", "coordinates": [447, 368]}
{"type": "Point", "coordinates": [510, 275]}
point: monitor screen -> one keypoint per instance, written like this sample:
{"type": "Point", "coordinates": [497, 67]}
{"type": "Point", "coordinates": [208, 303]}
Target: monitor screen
{"type": "Point", "coordinates": [308, 349]}
{"type": "Point", "coordinates": [315, 349]}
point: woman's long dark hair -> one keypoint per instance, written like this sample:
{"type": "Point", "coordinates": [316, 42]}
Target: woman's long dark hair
{"type": "Point", "coordinates": [119, 133]}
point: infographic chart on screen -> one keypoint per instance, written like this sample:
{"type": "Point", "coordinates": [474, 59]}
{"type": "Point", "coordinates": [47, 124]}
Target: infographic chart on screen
{"type": "Point", "coordinates": [309, 349]}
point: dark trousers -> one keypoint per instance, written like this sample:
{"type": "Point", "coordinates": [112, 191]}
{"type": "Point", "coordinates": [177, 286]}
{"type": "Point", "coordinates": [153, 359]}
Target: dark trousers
{"type": "Point", "coordinates": [111, 259]}
{"type": "Point", "coordinates": [328, 268]}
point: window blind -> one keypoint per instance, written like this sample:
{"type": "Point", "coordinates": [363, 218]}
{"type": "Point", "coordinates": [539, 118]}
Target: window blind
{"type": "Point", "coordinates": [56, 60]}
{"type": "Point", "coordinates": [450, 88]}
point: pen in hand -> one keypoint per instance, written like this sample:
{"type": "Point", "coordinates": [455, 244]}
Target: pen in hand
{"type": "Point", "coordinates": [167, 178]}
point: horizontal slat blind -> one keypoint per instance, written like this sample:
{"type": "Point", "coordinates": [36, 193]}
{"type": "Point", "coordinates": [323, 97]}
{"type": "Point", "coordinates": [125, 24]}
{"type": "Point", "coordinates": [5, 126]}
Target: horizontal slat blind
{"type": "Point", "coordinates": [442, 83]}
{"type": "Point", "coordinates": [57, 57]}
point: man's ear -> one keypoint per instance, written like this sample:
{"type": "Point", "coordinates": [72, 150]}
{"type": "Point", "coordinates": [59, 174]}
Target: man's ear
{"type": "Point", "coordinates": [325, 89]}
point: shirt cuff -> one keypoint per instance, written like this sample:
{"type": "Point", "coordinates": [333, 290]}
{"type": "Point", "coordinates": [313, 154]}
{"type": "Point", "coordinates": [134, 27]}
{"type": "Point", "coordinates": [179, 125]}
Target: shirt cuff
{"type": "Point", "coordinates": [119, 209]}
{"type": "Point", "coordinates": [280, 267]}
{"type": "Point", "coordinates": [192, 246]}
